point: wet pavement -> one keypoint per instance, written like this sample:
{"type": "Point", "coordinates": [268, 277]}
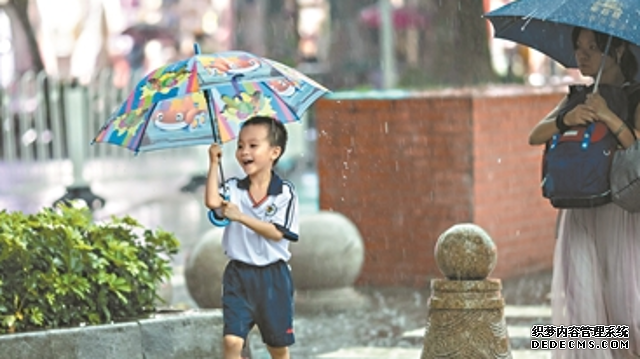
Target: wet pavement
{"type": "Point", "coordinates": [394, 312]}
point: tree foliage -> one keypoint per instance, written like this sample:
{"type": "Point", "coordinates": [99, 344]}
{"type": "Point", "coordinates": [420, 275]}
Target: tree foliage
{"type": "Point", "coordinates": [453, 48]}
{"type": "Point", "coordinates": [458, 53]}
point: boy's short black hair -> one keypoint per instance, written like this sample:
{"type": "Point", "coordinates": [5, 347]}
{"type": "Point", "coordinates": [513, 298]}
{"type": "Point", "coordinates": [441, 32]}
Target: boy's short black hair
{"type": "Point", "coordinates": [278, 135]}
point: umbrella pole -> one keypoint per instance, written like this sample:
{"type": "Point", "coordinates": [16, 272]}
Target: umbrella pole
{"type": "Point", "coordinates": [214, 124]}
{"type": "Point", "coordinates": [215, 131]}
{"type": "Point", "coordinates": [214, 127]}
{"type": "Point", "coordinates": [604, 58]}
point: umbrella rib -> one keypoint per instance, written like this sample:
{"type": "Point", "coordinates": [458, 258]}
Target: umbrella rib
{"type": "Point", "coordinates": [145, 125]}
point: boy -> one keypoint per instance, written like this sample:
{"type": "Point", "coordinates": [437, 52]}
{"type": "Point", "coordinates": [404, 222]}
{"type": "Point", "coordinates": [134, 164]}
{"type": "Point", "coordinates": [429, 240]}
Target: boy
{"type": "Point", "coordinates": [263, 209]}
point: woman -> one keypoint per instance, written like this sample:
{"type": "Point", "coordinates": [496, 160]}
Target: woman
{"type": "Point", "coordinates": [596, 279]}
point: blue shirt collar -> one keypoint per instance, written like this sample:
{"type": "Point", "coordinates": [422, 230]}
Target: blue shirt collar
{"type": "Point", "coordinates": [275, 184]}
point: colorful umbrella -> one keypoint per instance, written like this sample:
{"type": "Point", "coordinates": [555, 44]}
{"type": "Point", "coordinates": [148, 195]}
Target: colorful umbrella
{"type": "Point", "coordinates": [205, 99]}
{"type": "Point", "coordinates": [168, 108]}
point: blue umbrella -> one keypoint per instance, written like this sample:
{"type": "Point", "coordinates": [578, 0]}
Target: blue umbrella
{"type": "Point", "coordinates": [546, 25]}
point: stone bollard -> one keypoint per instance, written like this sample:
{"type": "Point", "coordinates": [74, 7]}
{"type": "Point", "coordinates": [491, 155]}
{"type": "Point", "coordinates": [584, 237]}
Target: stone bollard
{"type": "Point", "coordinates": [204, 268]}
{"type": "Point", "coordinates": [326, 262]}
{"type": "Point", "coordinates": [324, 265]}
{"type": "Point", "coordinates": [466, 310]}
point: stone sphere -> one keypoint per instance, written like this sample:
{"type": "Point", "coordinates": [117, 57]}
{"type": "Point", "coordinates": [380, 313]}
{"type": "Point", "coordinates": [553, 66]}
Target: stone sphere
{"type": "Point", "coordinates": [204, 268]}
{"type": "Point", "coordinates": [330, 252]}
{"type": "Point", "coordinates": [465, 252]}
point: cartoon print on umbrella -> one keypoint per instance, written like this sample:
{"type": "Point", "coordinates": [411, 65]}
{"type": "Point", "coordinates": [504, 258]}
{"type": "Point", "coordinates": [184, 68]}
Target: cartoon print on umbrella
{"type": "Point", "coordinates": [221, 68]}
{"type": "Point", "coordinates": [188, 113]}
{"type": "Point", "coordinates": [205, 99]}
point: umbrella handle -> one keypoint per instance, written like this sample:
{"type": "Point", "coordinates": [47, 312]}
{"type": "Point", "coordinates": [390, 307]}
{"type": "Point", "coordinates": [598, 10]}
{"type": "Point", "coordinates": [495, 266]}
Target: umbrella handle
{"type": "Point", "coordinates": [217, 221]}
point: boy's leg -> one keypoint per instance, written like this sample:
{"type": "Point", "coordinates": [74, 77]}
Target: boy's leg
{"type": "Point", "coordinates": [275, 311]}
{"type": "Point", "coordinates": [236, 311]}
{"type": "Point", "coordinates": [232, 346]}
{"type": "Point", "coordinates": [278, 353]}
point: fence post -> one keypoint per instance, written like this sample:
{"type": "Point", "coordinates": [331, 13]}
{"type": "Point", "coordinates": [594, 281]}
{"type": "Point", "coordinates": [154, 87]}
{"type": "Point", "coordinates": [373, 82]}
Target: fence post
{"type": "Point", "coordinates": [76, 116]}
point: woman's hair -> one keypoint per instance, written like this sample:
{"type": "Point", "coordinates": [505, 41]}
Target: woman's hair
{"type": "Point", "coordinates": [277, 132]}
{"type": "Point", "coordinates": [628, 63]}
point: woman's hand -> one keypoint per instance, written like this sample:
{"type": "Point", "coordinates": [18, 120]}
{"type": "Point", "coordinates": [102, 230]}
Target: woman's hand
{"type": "Point", "coordinates": [600, 108]}
{"type": "Point", "coordinates": [582, 114]}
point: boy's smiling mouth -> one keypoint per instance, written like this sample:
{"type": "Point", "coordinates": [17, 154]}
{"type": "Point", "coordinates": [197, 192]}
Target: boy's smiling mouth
{"type": "Point", "coordinates": [247, 162]}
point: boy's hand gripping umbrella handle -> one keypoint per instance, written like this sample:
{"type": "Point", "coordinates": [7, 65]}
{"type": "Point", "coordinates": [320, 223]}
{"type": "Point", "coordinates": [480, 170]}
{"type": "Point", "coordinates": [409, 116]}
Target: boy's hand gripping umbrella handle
{"type": "Point", "coordinates": [218, 222]}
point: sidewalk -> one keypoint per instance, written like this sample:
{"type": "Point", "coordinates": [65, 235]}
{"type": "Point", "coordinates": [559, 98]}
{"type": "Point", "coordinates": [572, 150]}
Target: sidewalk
{"type": "Point", "coordinates": [391, 328]}
{"type": "Point", "coordinates": [394, 327]}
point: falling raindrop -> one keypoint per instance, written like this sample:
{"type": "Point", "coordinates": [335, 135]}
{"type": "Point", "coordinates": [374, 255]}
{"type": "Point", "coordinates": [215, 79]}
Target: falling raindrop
{"type": "Point", "coordinates": [46, 136]}
{"type": "Point", "coordinates": [386, 127]}
{"type": "Point", "coordinates": [311, 134]}
{"type": "Point", "coordinates": [499, 160]}
{"type": "Point", "coordinates": [417, 299]}
{"type": "Point", "coordinates": [346, 165]}
{"type": "Point", "coordinates": [29, 136]}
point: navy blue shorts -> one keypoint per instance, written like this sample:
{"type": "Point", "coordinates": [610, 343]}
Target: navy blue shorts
{"type": "Point", "coordinates": [262, 296]}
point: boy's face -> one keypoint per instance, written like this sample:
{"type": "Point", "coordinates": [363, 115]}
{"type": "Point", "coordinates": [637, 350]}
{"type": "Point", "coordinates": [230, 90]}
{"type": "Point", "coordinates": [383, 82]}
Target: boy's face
{"type": "Point", "coordinates": [254, 152]}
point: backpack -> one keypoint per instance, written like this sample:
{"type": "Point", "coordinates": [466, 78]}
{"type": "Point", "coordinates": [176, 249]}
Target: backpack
{"type": "Point", "coordinates": [577, 162]}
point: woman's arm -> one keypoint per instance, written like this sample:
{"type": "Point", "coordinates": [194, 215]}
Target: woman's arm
{"type": "Point", "coordinates": [637, 122]}
{"type": "Point", "coordinates": [617, 126]}
{"type": "Point", "coordinates": [546, 128]}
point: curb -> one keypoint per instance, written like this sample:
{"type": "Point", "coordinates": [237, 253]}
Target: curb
{"type": "Point", "coordinates": [189, 334]}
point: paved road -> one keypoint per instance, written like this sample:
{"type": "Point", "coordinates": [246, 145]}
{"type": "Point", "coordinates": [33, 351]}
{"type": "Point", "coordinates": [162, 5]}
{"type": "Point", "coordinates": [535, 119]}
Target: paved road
{"type": "Point", "coordinates": [390, 331]}
{"type": "Point", "coordinates": [519, 319]}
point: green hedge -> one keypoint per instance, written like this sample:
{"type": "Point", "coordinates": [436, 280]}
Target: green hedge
{"type": "Point", "coordinates": [60, 269]}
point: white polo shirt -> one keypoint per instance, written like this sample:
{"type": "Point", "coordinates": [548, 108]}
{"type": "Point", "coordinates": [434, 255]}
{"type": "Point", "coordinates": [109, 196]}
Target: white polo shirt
{"type": "Point", "coordinates": [280, 207]}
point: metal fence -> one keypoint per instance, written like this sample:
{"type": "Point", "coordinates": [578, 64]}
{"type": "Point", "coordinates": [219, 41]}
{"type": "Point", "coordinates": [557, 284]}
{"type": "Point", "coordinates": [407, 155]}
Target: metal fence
{"type": "Point", "coordinates": [47, 128]}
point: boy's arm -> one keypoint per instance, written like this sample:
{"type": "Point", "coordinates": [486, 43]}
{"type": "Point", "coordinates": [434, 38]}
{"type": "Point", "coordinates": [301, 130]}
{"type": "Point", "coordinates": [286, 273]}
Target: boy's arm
{"type": "Point", "coordinates": [265, 229]}
{"type": "Point", "coordinates": [282, 225]}
{"type": "Point", "coordinates": [212, 198]}
{"type": "Point", "coordinates": [285, 218]}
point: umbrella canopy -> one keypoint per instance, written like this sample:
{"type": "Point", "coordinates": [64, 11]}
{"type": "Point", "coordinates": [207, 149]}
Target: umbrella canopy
{"type": "Point", "coordinates": [176, 105]}
{"type": "Point", "coordinates": [546, 25]}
